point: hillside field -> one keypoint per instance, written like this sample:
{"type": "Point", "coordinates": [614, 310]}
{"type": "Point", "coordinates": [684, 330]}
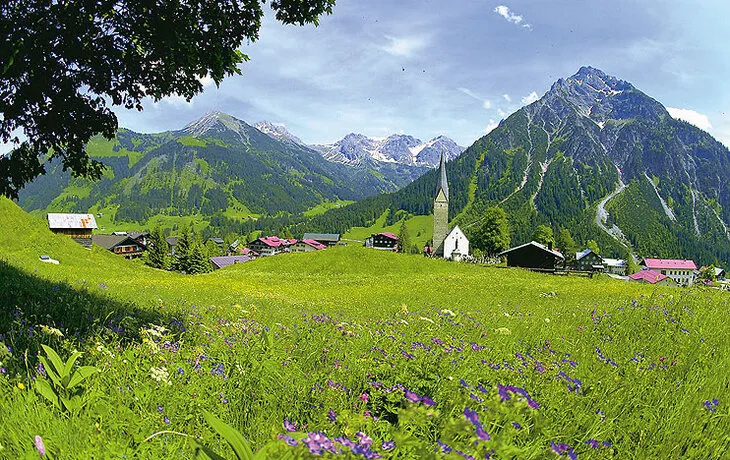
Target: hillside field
{"type": "Point", "coordinates": [354, 353]}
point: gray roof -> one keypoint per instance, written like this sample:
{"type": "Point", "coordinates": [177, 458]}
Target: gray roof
{"type": "Point", "coordinates": [224, 261]}
{"type": "Point", "coordinates": [322, 236]}
{"type": "Point", "coordinates": [443, 182]}
{"type": "Point", "coordinates": [533, 243]}
{"type": "Point", "coordinates": [614, 262]}
{"type": "Point", "coordinates": [110, 241]}
{"type": "Point", "coordinates": [57, 220]}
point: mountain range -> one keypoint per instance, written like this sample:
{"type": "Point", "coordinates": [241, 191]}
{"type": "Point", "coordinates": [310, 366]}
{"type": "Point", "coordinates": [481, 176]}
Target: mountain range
{"type": "Point", "coordinates": [594, 155]}
{"type": "Point", "coordinates": [221, 165]}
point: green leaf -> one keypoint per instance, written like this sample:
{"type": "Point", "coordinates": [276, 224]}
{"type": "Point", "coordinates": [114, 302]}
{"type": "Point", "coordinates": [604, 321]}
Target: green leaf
{"type": "Point", "coordinates": [50, 372]}
{"type": "Point", "coordinates": [55, 359]}
{"type": "Point", "coordinates": [232, 436]}
{"type": "Point", "coordinates": [70, 363]}
{"type": "Point", "coordinates": [207, 451]}
{"type": "Point", "coordinates": [44, 389]}
{"type": "Point", "coordinates": [80, 375]}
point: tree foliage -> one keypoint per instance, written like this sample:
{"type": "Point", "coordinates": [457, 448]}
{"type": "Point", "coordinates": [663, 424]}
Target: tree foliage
{"type": "Point", "coordinates": [567, 246]}
{"type": "Point", "coordinates": [62, 63]}
{"type": "Point", "coordinates": [156, 254]}
{"type": "Point", "coordinates": [543, 234]}
{"type": "Point", "coordinates": [404, 238]}
{"type": "Point", "coordinates": [593, 246]}
{"type": "Point", "coordinates": [493, 236]}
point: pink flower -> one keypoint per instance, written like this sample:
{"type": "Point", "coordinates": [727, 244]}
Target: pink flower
{"type": "Point", "coordinates": [39, 445]}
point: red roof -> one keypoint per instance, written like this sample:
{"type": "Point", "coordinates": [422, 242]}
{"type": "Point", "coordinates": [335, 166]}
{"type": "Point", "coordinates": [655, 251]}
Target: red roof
{"type": "Point", "coordinates": [247, 252]}
{"type": "Point", "coordinates": [275, 241]}
{"type": "Point", "coordinates": [650, 276]}
{"type": "Point", "coordinates": [670, 264]}
{"type": "Point", "coordinates": [314, 244]}
{"type": "Point", "coordinates": [389, 235]}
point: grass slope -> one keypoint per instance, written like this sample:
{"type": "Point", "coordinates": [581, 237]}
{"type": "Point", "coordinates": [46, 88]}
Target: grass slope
{"type": "Point", "coordinates": [346, 330]}
{"type": "Point", "coordinates": [419, 227]}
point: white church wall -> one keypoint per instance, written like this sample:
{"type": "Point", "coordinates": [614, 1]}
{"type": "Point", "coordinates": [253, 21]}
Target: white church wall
{"type": "Point", "coordinates": [456, 244]}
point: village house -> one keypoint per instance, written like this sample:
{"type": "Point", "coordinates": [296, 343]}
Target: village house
{"type": "Point", "coordinates": [615, 266]}
{"type": "Point", "coordinates": [270, 245]}
{"type": "Point", "coordinates": [652, 277]}
{"type": "Point", "coordinates": [384, 241]}
{"type": "Point", "coordinates": [224, 261]}
{"type": "Point", "coordinates": [588, 261]}
{"type": "Point", "coordinates": [682, 271]}
{"type": "Point", "coordinates": [329, 239]}
{"type": "Point", "coordinates": [79, 227]}
{"type": "Point", "coordinates": [122, 245]}
{"type": "Point", "coordinates": [172, 244]}
{"type": "Point", "coordinates": [307, 245]}
{"type": "Point", "coordinates": [533, 255]}
{"type": "Point", "coordinates": [142, 238]}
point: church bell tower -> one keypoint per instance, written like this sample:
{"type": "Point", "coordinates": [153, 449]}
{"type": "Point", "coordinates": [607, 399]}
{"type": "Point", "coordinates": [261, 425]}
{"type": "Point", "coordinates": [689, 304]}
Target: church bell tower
{"type": "Point", "coordinates": [441, 211]}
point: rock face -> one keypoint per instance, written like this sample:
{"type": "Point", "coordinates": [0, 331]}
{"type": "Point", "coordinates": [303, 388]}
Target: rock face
{"type": "Point", "coordinates": [355, 149]}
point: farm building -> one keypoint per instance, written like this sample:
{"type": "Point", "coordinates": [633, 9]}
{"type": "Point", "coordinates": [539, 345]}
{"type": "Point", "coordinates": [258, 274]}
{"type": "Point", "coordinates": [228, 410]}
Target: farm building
{"type": "Point", "coordinates": [386, 241]}
{"type": "Point", "coordinates": [682, 271]}
{"type": "Point", "coordinates": [329, 239]}
{"type": "Point", "coordinates": [615, 266]}
{"type": "Point", "coordinates": [652, 277]}
{"type": "Point", "coordinates": [79, 227]}
{"type": "Point", "coordinates": [720, 273]}
{"type": "Point", "coordinates": [270, 245]}
{"type": "Point", "coordinates": [533, 255]}
{"type": "Point", "coordinates": [122, 245]}
{"type": "Point", "coordinates": [307, 246]}
{"type": "Point", "coordinates": [140, 237]}
{"type": "Point", "coordinates": [224, 261]}
{"type": "Point", "coordinates": [588, 261]}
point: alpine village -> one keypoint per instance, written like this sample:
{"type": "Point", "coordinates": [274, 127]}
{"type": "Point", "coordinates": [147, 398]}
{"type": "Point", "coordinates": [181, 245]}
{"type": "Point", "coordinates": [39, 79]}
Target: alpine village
{"type": "Point", "coordinates": [409, 261]}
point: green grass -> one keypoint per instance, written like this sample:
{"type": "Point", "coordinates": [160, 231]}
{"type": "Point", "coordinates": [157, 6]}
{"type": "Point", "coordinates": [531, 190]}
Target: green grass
{"type": "Point", "coordinates": [419, 227]}
{"type": "Point", "coordinates": [293, 336]}
{"type": "Point", "coordinates": [326, 206]}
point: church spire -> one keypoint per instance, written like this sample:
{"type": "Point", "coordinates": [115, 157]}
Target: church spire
{"type": "Point", "coordinates": [443, 183]}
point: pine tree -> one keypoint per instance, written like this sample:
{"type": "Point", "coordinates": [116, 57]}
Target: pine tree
{"type": "Point", "coordinates": [404, 238]}
{"type": "Point", "coordinates": [593, 246]}
{"type": "Point", "coordinates": [492, 237]}
{"type": "Point", "coordinates": [156, 255]}
{"type": "Point", "coordinates": [567, 246]}
{"type": "Point", "coordinates": [198, 261]}
{"type": "Point", "coordinates": [183, 250]}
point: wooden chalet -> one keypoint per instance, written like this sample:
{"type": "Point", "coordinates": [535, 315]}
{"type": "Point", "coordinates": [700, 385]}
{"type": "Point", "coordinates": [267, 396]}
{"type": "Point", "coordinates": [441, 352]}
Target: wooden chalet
{"type": "Point", "coordinates": [329, 239]}
{"type": "Point", "coordinates": [384, 241]}
{"type": "Point", "coordinates": [534, 256]}
{"type": "Point", "coordinates": [270, 245]}
{"type": "Point", "coordinates": [122, 245]}
{"type": "Point", "coordinates": [307, 245]}
{"type": "Point", "coordinates": [588, 261]}
{"type": "Point", "coordinates": [79, 227]}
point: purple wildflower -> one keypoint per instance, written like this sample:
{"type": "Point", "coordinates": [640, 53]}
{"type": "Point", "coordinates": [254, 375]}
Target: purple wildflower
{"type": "Point", "coordinates": [428, 401]}
{"type": "Point", "coordinates": [363, 439]}
{"type": "Point", "coordinates": [593, 443]}
{"type": "Point", "coordinates": [166, 420]}
{"type": "Point", "coordinates": [517, 425]}
{"type": "Point", "coordinates": [332, 416]}
{"type": "Point", "coordinates": [388, 445]}
{"type": "Point", "coordinates": [563, 449]}
{"type": "Point", "coordinates": [318, 443]}
{"type": "Point", "coordinates": [411, 396]}
{"type": "Point", "coordinates": [160, 409]}
{"type": "Point", "coordinates": [472, 416]}
{"type": "Point", "coordinates": [40, 446]}
{"type": "Point", "coordinates": [481, 434]}
{"type": "Point", "coordinates": [289, 426]}
{"type": "Point", "coordinates": [607, 444]}
{"type": "Point", "coordinates": [289, 440]}
{"type": "Point", "coordinates": [445, 448]}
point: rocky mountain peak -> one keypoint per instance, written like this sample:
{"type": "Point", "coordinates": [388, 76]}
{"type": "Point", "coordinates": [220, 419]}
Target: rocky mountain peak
{"type": "Point", "coordinates": [215, 122]}
{"type": "Point", "coordinates": [277, 131]}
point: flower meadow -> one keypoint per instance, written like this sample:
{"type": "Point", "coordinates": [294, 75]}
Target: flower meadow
{"type": "Point", "coordinates": [352, 353]}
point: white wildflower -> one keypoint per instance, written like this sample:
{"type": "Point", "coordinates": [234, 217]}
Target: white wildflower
{"type": "Point", "coordinates": [426, 319]}
{"type": "Point", "coordinates": [448, 312]}
{"type": "Point", "coordinates": [50, 330]}
{"type": "Point", "coordinates": [160, 374]}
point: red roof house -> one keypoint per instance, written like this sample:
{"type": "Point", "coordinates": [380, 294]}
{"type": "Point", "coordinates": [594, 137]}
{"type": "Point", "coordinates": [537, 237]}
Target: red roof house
{"type": "Point", "coordinates": [651, 277]}
{"type": "Point", "coordinates": [682, 271]}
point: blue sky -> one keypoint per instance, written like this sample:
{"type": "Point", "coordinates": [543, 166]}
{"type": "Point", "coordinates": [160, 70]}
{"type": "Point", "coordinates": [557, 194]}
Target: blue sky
{"type": "Point", "coordinates": [457, 67]}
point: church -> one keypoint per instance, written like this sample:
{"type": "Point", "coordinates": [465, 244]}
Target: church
{"type": "Point", "coordinates": [447, 244]}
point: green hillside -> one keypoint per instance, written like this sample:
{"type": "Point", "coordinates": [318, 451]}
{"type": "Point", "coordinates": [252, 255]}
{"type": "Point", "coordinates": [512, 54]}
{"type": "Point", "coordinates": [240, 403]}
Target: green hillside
{"type": "Point", "coordinates": [332, 340]}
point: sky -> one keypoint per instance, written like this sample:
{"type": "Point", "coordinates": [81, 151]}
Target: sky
{"type": "Point", "coordinates": [432, 67]}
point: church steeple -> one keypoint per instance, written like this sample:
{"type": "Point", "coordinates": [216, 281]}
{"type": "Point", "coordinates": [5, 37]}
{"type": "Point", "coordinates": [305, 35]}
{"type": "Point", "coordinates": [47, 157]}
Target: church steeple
{"type": "Point", "coordinates": [443, 182]}
{"type": "Point", "coordinates": [441, 210]}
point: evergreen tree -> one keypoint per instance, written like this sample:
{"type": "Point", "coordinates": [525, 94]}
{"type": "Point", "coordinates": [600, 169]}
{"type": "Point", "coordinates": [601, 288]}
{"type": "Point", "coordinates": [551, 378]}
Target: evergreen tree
{"type": "Point", "coordinates": [198, 261]}
{"type": "Point", "coordinates": [183, 250]}
{"type": "Point", "coordinates": [212, 249]}
{"type": "Point", "coordinates": [286, 233]}
{"type": "Point", "coordinates": [567, 246]}
{"type": "Point", "coordinates": [492, 237]}
{"type": "Point", "coordinates": [156, 255]}
{"type": "Point", "coordinates": [404, 238]}
{"type": "Point", "coordinates": [631, 265]}
{"type": "Point", "coordinates": [543, 235]}
{"type": "Point", "coordinates": [593, 246]}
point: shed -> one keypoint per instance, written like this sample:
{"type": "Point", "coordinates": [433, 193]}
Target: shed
{"type": "Point", "coordinates": [330, 239]}
{"type": "Point", "coordinates": [533, 255]}
{"type": "Point", "coordinates": [79, 227]}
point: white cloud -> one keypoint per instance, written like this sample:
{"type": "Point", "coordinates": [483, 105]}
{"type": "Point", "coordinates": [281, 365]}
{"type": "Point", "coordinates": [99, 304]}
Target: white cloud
{"type": "Point", "coordinates": [517, 19]}
{"type": "Point", "coordinates": [487, 104]}
{"type": "Point", "coordinates": [491, 126]}
{"type": "Point", "coordinates": [501, 113]}
{"type": "Point", "coordinates": [530, 98]}
{"type": "Point", "coordinates": [404, 46]}
{"type": "Point", "coordinates": [691, 116]}
{"type": "Point", "coordinates": [206, 80]}
{"type": "Point", "coordinates": [507, 97]}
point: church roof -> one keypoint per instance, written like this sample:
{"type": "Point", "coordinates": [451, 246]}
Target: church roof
{"type": "Point", "coordinates": [443, 183]}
